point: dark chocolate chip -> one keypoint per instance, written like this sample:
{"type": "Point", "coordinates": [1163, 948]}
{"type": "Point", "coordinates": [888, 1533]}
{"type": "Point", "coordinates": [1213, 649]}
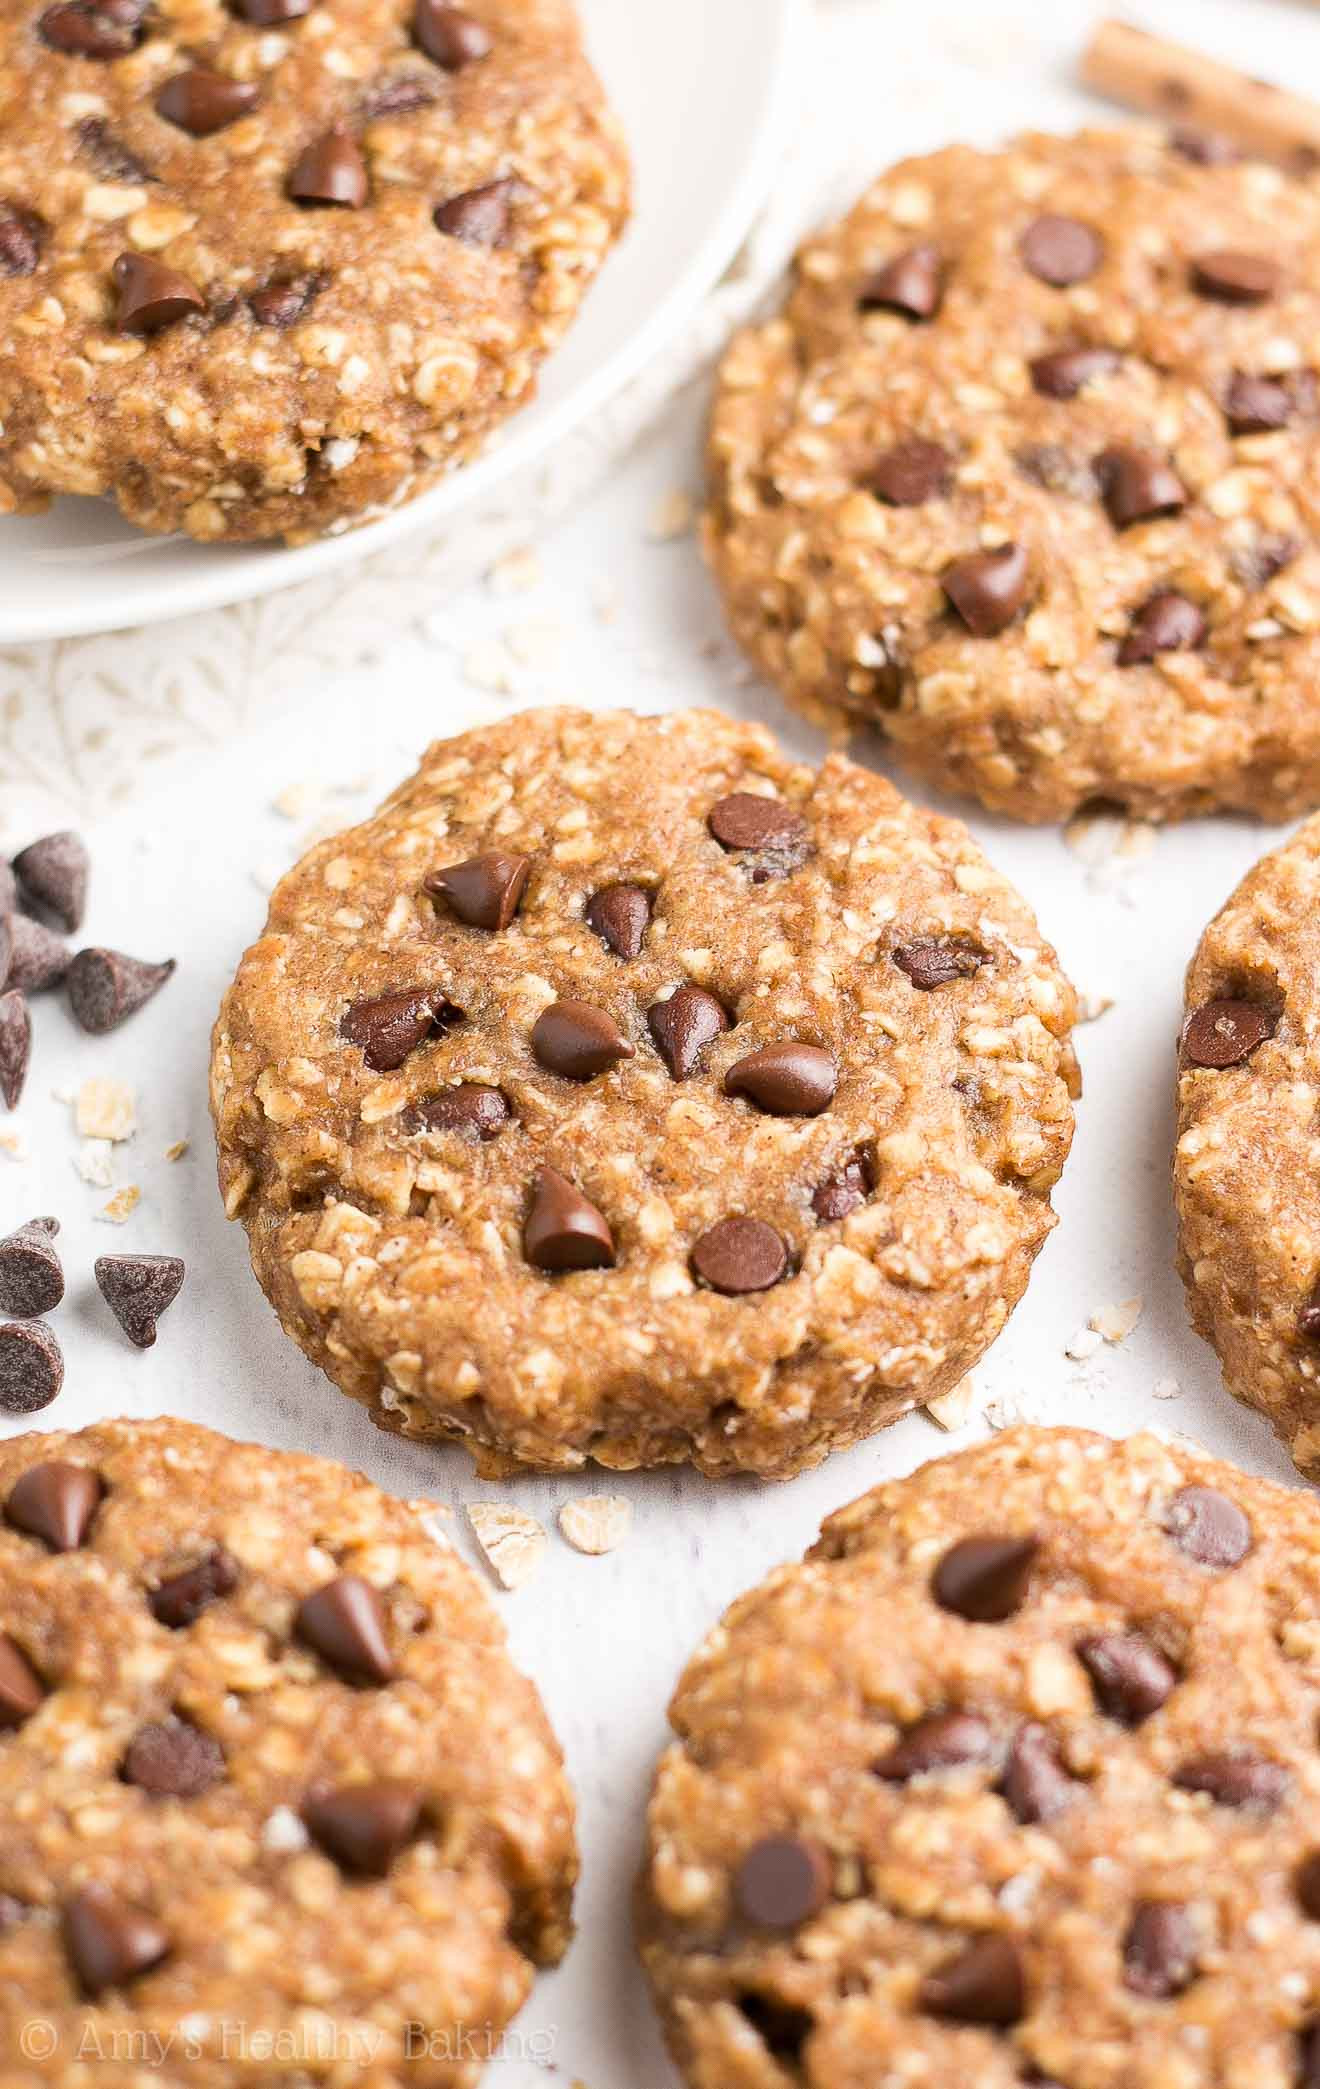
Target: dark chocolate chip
{"type": "Point", "coordinates": [106, 987]}
{"type": "Point", "coordinates": [1058, 469]}
{"type": "Point", "coordinates": [364, 1826]}
{"type": "Point", "coordinates": [1065, 372]}
{"type": "Point", "coordinates": [56, 1502]}
{"type": "Point", "coordinates": [738, 1256]}
{"type": "Point", "coordinates": [152, 296]}
{"type": "Point", "coordinates": [269, 14]}
{"type": "Point", "coordinates": [1236, 278]}
{"type": "Point", "coordinates": [31, 1366]}
{"type": "Point", "coordinates": [21, 1689]}
{"type": "Point", "coordinates": [1308, 1319]}
{"type": "Point", "coordinates": [484, 891]}
{"type": "Point", "coordinates": [782, 2027]}
{"type": "Point", "coordinates": [563, 1229]}
{"type": "Point", "coordinates": [747, 820]}
{"type": "Point", "coordinates": [1208, 1527]}
{"type": "Point", "coordinates": [1167, 623]}
{"type": "Point", "coordinates": [578, 1041]}
{"type": "Point", "coordinates": [202, 102]}
{"type": "Point", "coordinates": [15, 1046]}
{"type": "Point", "coordinates": [913, 472]}
{"type": "Point", "coordinates": [988, 588]}
{"type": "Point", "coordinates": [110, 1943]}
{"type": "Point", "coordinates": [454, 39]}
{"type": "Point", "coordinates": [1247, 1781]}
{"type": "Point", "coordinates": [469, 1110]}
{"type": "Point", "coordinates": [1256, 405]}
{"type": "Point", "coordinates": [940, 1741]}
{"type": "Point", "coordinates": [783, 1881]}
{"type": "Point", "coordinates": [31, 1278]}
{"type": "Point", "coordinates": [1266, 554]}
{"type": "Point", "coordinates": [1139, 485]}
{"type": "Point", "coordinates": [37, 957]}
{"type": "Point", "coordinates": [1131, 1678]}
{"type": "Point", "coordinates": [845, 1191]}
{"type": "Point", "coordinates": [1160, 1952]}
{"type": "Point", "coordinates": [112, 160]}
{"type": "Point", "coordinates": [931, 961]}
{"type": "Point", "coordinates": [100, 29]}
{"type": "Point", "coordinates": [344, 1622]}
{"type": "Point", "coordinates": [173, 1759]}
{"type": "Point", "coordinates": [786, 1080]}
{"type": "Point", "coordinates": [984, 1984]}
{"type": "Point", "coordinates": [404, 95]}
{"type": "Point", "coordinates": [1204, 148]}
{"type": "Point", "coordinates": [620, 915]}
{"type": "Point", "coordinates": [330, 171]}
{"type": "Point", "coordinates": [22, 235]}
{"type": "Point", "coordinates": [137, 1289]}
{"type": "Point", "coordinates": [912, 284]}
{"type": "Point", "coordinates": [52, 873]}
{"type": "Point", "coordinates": [1035, 1785]}
{"type": "Point", "coordinates": [479, 217]}
{"type": "Point", "coordinates": [1307, 1884]}
{"type": "Point", "coordinates": [180, 1601]}
{"type": "Point", "coordinates": [387, 1028]}
{"type": "Point", "coordinates": [1308, 2058]}
{"type": "Point", "coordinates": [1225, 1032]}
{"type": "Point", "coordinates": [683, 1025]}
{"type": "Point", "coordinates": [1061, 251]}
{"type": "Point", "coordinates": [985, 1579]}
{"type": "Point", "coordinates": [284, 302]}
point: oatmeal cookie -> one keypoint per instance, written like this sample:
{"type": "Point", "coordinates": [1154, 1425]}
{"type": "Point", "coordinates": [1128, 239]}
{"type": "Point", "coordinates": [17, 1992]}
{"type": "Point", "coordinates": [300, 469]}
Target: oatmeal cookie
{"type": "Point", "coordinates": [269, 266]}
{"type": "Point", "coordinates": [621, 1090]}
{"type": "Point", "coordinates": [271, 1791]}
{"type": "Point", "coordinates": [1245, 1169]}
{"type": "Point", "coordinates": [1013, 1782]}
{"type": "Point", "coordinates": [1027, 473]}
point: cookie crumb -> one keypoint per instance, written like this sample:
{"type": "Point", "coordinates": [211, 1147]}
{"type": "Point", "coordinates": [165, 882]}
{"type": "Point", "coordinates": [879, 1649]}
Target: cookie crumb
{"type": "Point", "coordinates": [1166, 1389]}
{"type": "Point", "coordinates": [953, 1409]}
{"type": "Point", "coordinates": [672, 516]}
{"type": "Point", "coordinates": [537, 643]}
{"type": "Point", "coordinates": [512, 1543]}
{"type": "Point", "coordinates": [517, 573]}
{"type": "Point", "coordinates": [297, 800]}
{"type": "Point", "coordinates": [94, 1162]}
{"type": "Point", "coordinates": [1090, 1007]}
{"type": "Point", "coordinates": [122, 1205]}
{"type": "Point", "coordinates": [177, 1151]}
{"type": "Point", "coordinates": [596, 1523]}
{"type": "Point", "coordinates": [486, 665]}
{"type": "Point", "coordinates": [1115, 1323]}
{"type": "Point", "coordinates": [105, 1109]}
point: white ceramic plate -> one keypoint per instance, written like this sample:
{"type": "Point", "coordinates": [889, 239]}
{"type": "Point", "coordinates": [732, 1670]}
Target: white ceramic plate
{"type": "Point", "coordinates": [703, 94]}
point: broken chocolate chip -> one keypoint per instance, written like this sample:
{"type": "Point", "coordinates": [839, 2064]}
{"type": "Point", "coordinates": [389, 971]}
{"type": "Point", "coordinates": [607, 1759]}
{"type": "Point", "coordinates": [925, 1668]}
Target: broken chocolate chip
{"type": "Point", "coordinates": [469, 1110]}
{"type": "Point", "coordinates": [284, 302]}
{"type": "Point", "coordinates": [845, 1191]}
{"type": "Point", "coordinates": [1225, 1032]}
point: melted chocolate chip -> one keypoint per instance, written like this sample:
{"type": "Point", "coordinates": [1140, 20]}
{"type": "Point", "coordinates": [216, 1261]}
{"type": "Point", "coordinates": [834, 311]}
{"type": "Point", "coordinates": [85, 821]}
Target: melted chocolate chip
{"type": "Point", "coordinates": [912, 472]}
{"type": "Point", "coordinates": [22, 236]}
{"type": "Point", "coordinates": [56, 1502]}
{"type": "Point", "coordinates": [344, 1622]}
{"type": "Point", "coordinates": [479, 217]}
{"type": "Point", "coordinates": [109, 155]}
{"type": "Point", "coordinates": [1035, 1784]}
{"type": "Point", "coordinates": [1245, 1781]}
{"type": "Point", "coordinates": [173, 1760]}
{"type": "Point", "coordinates": [1167, 623]}
{"type": "Point", "coordinates": [1160, 1951]}
{"type": "Point", "coordinates": [1139, 485]}
{"type": "Point", "coordinates": [1061, 251]}
{"type": "Point", "coordinates": [469, 1110]}
{"type": "Point", "coordinates": [365, 1826]}
{"type": "Point", "coordinates": [579, 1042]}
{"type": "Point", "coordinates": [845, 1191]}
{"type": "Point", "coordinates": [1236, 278]}
{"type": "Point", "coordinates": [180, 1601]}
{"type": "Point", "coordinates": [283, 303]}
{"type": "Point", "coordinates": [1256, 405]}
{"type": "Point", "coordinates": [985, 1984]}
{"type": "Point", "coordinates": [985, 1579]}
{"type": "Point", "coordinates": [485, 891]}
{"type": "Point", "coordinates": [403, 95]}
{"type": "Point", "coordinates": [331, 171]}
{"type": "Point", "coordinates": [1208, 1527]}
{"type": "Point", "coordinates": [782, 1882]}
{"type": "Point", "coordinates": [739, 1256]}
{"type": "Point", "coordinates": [151, 296]}
{"type": "Point", "coordinates": [932, 961]}
{"type": "Point", "coordinates": [773, 837]}
{"type": "Point", "coordinates": [1065, 372]}
{"type": "Point", "coordinates": [1225, 1032]}
{"type": "Point", "coordinates": [110, 1942]}
{"type": "Point", "coordinates": [786, 1080]}
{"type": "Point", "coordinates": [100, 29]}
{"type": "Point", "coordinates": [940, 1741]}
{"type": "Point", "coordinates": [15, 1046]}
{"type": "Point", "coordinates": [912, 284]}
{"type": "Point", "coordinates": [389, 1027]}
{"type": "Point", "coordinates": [1131, 1678]}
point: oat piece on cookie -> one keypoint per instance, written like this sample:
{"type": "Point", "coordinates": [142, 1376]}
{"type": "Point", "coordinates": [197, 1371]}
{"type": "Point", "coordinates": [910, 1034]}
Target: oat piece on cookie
{"type": "Point", "coordinates": [1011, 1782]}
{"type": "Point", "coordinates": [267, 267]}
{"type": "Point", "coordinates": [269, 1783]}
{"type": "Point", "coordinates": [621, 1090]}
{"type": "Point", "coordinates": [1024, 476]}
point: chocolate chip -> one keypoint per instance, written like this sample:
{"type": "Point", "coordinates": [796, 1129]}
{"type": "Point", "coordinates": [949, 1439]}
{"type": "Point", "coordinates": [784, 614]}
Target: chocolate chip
{"type": "Point", "coordinates": [268, 14]}
{"type": "Point", "coordinates": [1208, 1527]}
{"type": "Point", "coordinates": [940, 1741]}
{"type": "Point", "coordinates": [94, 28]}
{"type": "Point", "coordinates": [683, 1026]}
{"type": "Point", "coordinates": [468, 1110]}
{"type": "Point", "coordinates": [1066, 371]}
{"type": "Point", "coordinates": [1248, 1781]}
{"type": "Point", "coordinates": [1225, 1032]}
{"type": "Point", "coordinates": [1236, 278]}
{"type": "Point", "coordinates": [37, 957]}
{"type": "Point", "coordinates": [985, 1579]}
{"type": "Point", "coordinates": [1167, 623]}
{"type": "Point", "coordinates": [31, 1367]}
{"type": "Point", "coordinates": [485, 891]}
{"type": "Point", "coordinates": [15, 1046]}
{"type": "Point", "coordinates": [344, 1622]}
{"type": "Point", "coordinates": [52, 874]}
{"type": "Point", "coordinates": [1139, 485]}
{"type": "Point", "coordinates": [738, 1256]}
{"type": "Point", "coordinates": [984, 1984]}
{"type": "Point", "coordinates": [109, 1942]}
{"type": "Point", "coordinates": [112, 160]}
{"type": "Point", "coordinates": [1131, 1678]}
{"type": "Point", "coordinates": [22, 234]}
{"type": "Point", "coordinates": [180, 1601]}
{"type": "Point", "coordinates": [21, 1689]}
{"type": "Point", "coordinates": [1308, 2058]}
{"type": "Point", "coordinates": [1160, 1954]}
{"type": "Point", "coordinates": [1307, 1884]}
{"type": "Point", "coordinates": [1256, 405]}
{"type": "Point", "coordinates": [1204, 148]}
{"type": "Point", "coordinates": [449, 35]}
{"type": "Point", "coordinates": [786, 1080]}
{"type": "Point", "coordinates": [388, 1027]}
{"type": "Point", "coordinates": [1035, 1785]}
{"type": "Point", "coordinates": [107, 986]}
{"type": "Point", "coordinates": [202, 102]}
{"type": "Point", "coordinates": [1308, 1319]}
{"type": "Point", "coordinates": [31, 1279]}
{"type": "Point", "coordinates": [56, 1502]}
{"type": "Point", "coordinates": [931, 961]}
{"type": "Point", "coordinates": [137, 1289]}
{"type": "Point", "coordinates": [152, 296]}
{"type": "Point", "coordinates": [479, 217]}
{"type": "Point", "coordinates": [563, 1229]}
{"type": "Point", "coordinates": [364, 1826]}
{"type": "Point", "coordinates": [988, 588]}
{"type": "Point", "coordinates": [577, 1041]}
{"type": "Point", "coordinates": [284, 302]}
{"type": "Point", "coordinates": [1061, 251]}
{"type": "Point", "coordinates": [620, 915]}
{"type": "Point", "coordinates": [173, 1760]}
{"type": "Point", "coordinates": [845, 1191]}
{"type": "Point", "coordinates": [1266, 554]}
{"type": "Point", "coordinates": [912, 472]}
{"type": "Point", "coordinates": [782, 1882]}
{"type": "Point", "coordinates": [1057, 468]}
{"type": "Point", "coordinates": [330, 171]}
{"type": "Point", "coordinates": [782, 2027]}
{"type": "Point", "coordinates": [401, 96]}
{"type": "Point", "coordinates": [746, 820]}
{"type": "Point", "coordinates": [912, 284]}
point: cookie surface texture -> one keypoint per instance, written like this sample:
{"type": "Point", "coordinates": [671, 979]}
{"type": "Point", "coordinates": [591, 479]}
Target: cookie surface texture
{"type": "Point", "coordinates": [1011, 1782]}
{"type": "Point", "coordinates": [1024, 475]}
{"type": "Point", "coordinates": [271, 1789]}
{"type": "Point", "coordinates": [623, 1090]}
{"type": "Point", "coordinates": [267, 268]}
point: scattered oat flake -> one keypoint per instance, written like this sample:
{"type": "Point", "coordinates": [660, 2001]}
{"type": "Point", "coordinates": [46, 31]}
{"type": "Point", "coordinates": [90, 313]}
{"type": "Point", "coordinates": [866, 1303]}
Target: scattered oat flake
{"type": "Point", "coordinates": [1116, 1323]}
{"type": "Point", "coordinates": [1005, 1411]}
{"type": "Point", "coordinates": [516, 574]}
{"type": "Point", "coordinates": [1137, 840]}
{"type": "Point", "coordinates": [296, 800]}
{"type": "Point", "coordinates": [535, 644]}
{"type": "Point", "coordinates": [1083, 1345]}
{"type": "Point", "coordinates": [512, 1543]}
{"type": "Point", "coordinates": [672, 516]}
{"type": "Point", "coordinates": [487, 665]}
{"type": "Point", "coordinates": [122, 1205]}
{"type": "Point", "coordinates": [12, 1143]}
{"type": "Point", "coordinates": [95, 1163]}
{"type": "Point", "coordinates": [952, 1409]}
{"type": "Point", "coordinates": [177, 1150]}
{"type": "Point", "coordinates": [596, 1523]}
{"type": "Point", "coordinates": [105, 1109]}
{"type": "Point", "coordinates": [433, 1517]}
{"type": "Point", "coordinates": [1090, 1007]}
{"type": "Point", "coordinates": [1166, 1389]}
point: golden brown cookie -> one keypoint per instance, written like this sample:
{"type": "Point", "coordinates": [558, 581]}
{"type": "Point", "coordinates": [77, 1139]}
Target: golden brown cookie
{"type": "Point", "coordinates": [622, 1090]}
{"type": "Point", "coordinates": [1012, 1782]}
{"type": "Point", "coordinates": [268, 266]}
{"type": "Point", "coordinates": [275, 1804]}
{"type": "Point", "coordinates": [1026, 475]}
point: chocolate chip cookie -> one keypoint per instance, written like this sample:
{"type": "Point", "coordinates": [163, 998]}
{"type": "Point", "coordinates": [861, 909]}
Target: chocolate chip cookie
{"type": "Point", "coordinates": [1024, 475]}
{"type": "Point", "coordinates": [274, 1801]}
{"type": "Point", "coordinates": [1244, 1172]}
{"type": "Point", "coordinates": [1012, 1782]}
{"type": "Point", "coordinates": [272, 265]}
{"type": "Point", "coordinates": [623, 1091]}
